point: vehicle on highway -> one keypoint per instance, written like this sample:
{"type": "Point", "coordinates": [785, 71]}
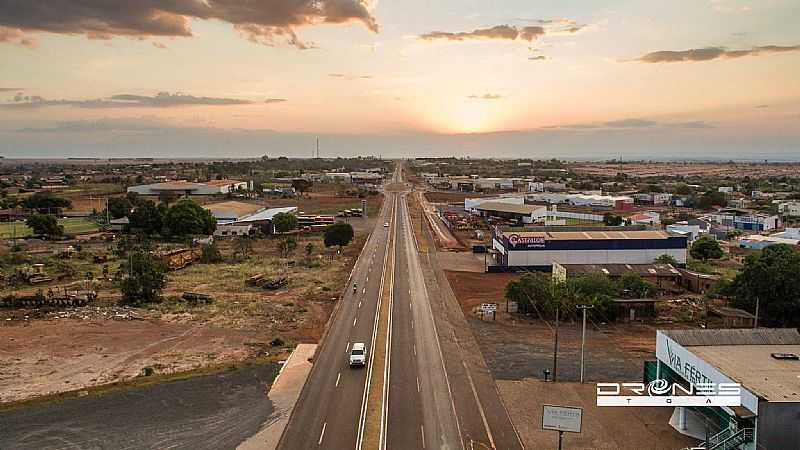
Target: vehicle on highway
{"type": "Point", "coordinates": [358, 355]}
{"type": "Point", "coordinates": [386, 224]}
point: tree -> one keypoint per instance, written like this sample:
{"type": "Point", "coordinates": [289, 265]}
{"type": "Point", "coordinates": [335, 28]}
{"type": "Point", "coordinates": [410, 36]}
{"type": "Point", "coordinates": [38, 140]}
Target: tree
{"type": "Point", "coordinates": [710, 199]}
{"type": "Point", "coordinates": [287, 247]}
{"type": "Point", "coordinates": [706, 248]}
{"type": "Point", "coordinates": [532, 292]}
{"type": "Point", "coordinates": [119, 207]}
{"type": "Point", "coordinates": [145, 277]}
{"type": "Point", "coordinates": [666, 259]}
{"type": "Point", "coordinates": [45, 201]}
{"type": "Point", "coordinates": [284, 222]}
{"type": "Point", "coordinates": [187, 217]}
{"type": "Point", "coordinates": [167, 197]}
{"type": "Point", "coordinates": [682, 189]}
{"type": "Point", "coordinates": [242, 247]}
{"type": "Point", "coordinates": [340, 234]}
{"type": "Point", "coordinates": [45, 224]}
{"type": "Point", "coordinates": [771, 279]}
{"type": "Point", "coordinates": [635, 286]}
{"type": "Point", "coordinates": [612, 220]}
{"type": "Point", "coordinates": [301, 185]}
{"type": "Point", "coordinates": [211, 254]}
{"type": "Point", "coordinates": [146, 218]}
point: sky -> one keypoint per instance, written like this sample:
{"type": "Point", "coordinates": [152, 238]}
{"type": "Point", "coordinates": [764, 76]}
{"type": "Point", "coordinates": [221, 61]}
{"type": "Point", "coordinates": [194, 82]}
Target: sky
{"type": "Point", "coordinates": [591, 79]}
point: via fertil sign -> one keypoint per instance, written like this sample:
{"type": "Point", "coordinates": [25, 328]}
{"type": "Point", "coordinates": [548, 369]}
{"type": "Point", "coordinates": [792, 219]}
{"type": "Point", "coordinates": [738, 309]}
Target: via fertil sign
{"type": "Point", "coordinates": [517, 242]}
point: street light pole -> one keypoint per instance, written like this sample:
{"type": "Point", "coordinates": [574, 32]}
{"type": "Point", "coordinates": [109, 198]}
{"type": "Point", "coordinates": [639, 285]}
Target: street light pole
{"type": "Point", "coordinates": [583, 309]}
{"type": "Point", "coordinates": [555, 349]}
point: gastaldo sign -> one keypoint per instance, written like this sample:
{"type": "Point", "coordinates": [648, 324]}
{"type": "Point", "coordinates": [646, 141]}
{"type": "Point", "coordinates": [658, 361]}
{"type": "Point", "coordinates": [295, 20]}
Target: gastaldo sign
{"type": "Point", "coordinates": [526, 241]}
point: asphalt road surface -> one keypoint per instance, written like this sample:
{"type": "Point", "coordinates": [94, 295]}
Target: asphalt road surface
{"type": "Point", "coordinates": [420, 408]}
{"type": "Point", "coordinates": [209, 412]}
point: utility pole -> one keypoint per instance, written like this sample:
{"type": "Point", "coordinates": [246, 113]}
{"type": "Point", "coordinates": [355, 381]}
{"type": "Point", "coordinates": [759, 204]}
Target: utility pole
{"type": "Point", "coordinates": [755, 323]}
{"type": "Point", "coordinates": [583, 309]}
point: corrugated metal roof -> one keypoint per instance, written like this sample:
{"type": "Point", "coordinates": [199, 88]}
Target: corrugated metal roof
{"type": "Point", "coordinates": [508, 207]}
{"type": "Point", "coordinates": [745, 336]}
{"type": "Point", "coordinates": [267, 214]}
{"type": "Point", "coordinates": [594, 235]}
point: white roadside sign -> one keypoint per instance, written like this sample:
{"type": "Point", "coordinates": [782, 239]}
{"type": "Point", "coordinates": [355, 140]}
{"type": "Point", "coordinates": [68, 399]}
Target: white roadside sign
{"type": "Point", "coordinates": [488, 307]}
{"type": "Point", "coordinates": [562, 418]}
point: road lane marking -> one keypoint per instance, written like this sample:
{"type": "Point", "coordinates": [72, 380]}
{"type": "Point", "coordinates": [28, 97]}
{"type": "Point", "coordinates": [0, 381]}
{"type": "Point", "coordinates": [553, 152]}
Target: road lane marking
{"type": "Point", "coordinates": [417, 384]}
{"type": "Point", "coordinates": [480, 406]}
{"type": "Point", "coordinates": [322, 435]}
{"type": "Point", "coordinates": [412, 324]}
{"type": "Point", "coordinates": [415, 349]}
{"type": "Point", "coordinates": [359, 303]}
{"type": "Point", "coordinates": [337, 378]}
{"type": "Point", "coordinates": [367, 279]}
{"type": "Point", "coordinates": [347, 347]}
{"type": "Point", "coordinates": [354, 321]}
{"type": "Point", "coordinates": [364, 291]}
{"type": "Point", "coordinates": [422, 431]}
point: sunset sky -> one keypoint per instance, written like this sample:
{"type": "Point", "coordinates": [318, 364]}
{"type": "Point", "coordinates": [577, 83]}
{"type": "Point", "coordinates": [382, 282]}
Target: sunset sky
{"type": "Point", "coordinates": [235, 78]}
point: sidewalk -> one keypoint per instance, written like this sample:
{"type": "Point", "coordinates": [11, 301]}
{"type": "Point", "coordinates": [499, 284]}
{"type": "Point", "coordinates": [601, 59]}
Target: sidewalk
{"type": "Point", "coordinates": [283, 395]}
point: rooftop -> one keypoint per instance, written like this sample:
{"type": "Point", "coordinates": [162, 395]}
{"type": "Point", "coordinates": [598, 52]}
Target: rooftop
{"type": "Point", "coordinates": [508, 207]}
{"type": "Point", "coordinates": [232, 209]}
{"type": "Point", "coordinates": [745, 355]}
{"type": "Point", "coordinates": [267, 214]}
{"type": "Point", "coordinates": [620, 269]}
{"type": "Point", "coordinates": [222, 182]}
{"type": "Point", "coordinates": [594, 235]}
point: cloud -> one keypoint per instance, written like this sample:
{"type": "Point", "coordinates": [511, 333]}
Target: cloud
{"type": "Point", "coordinates": [691, 124]}
{"type": "Point", "coordinates": [350, 76]}
{"type": "Point", "coordinates": [160, 100]}
{"type": "Point", "coordinates": [157, 44]}
{"type": "Point", "coordinates": [630, 123]}
{"type": "Point", "coordinates": [498, 32]}
{"type": "Point", "coordinates": [265, 22]}
{"type": "Point", "coordinates": [10, 89]}
{"type": "Point", "coordinates": [537, 58]}
{"type": "Point", "coordinates": [275, 100]}
{"type": "Point", "coordinates": [711, 53]}
{"type": "Point", "coordinates": [486, 97]}
{"type": "Point", "coordinates": [762, 106]}
{"type": "Point", "coordinates": [145, 123]}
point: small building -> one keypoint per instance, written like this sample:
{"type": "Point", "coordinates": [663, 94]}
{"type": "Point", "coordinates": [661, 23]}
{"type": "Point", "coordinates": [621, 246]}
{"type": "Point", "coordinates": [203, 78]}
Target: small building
{"type": "Point", "coordinates": [118, 224]}
{"type": "Point", "coordinates": [233, 230]}
{"type": "Point", "coordinates": [733, 317]}
{"type": "Point", "coordinates": [634, 309]}
{"type": "Point", "coordinates": [742, 219]}
{"type": "Point", "coordinates": [697, 282]}
{"type": "Point", "coordinates": [663, 276]}
{"type": "Point", "coordinates": [791, 209]}
{"type": "Point", "coordinates": [523, 214]}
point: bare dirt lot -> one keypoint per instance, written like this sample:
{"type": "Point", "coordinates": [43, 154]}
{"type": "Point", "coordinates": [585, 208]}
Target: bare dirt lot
{"type": "Point", "coordinates": [601, 428]}
{"type": "Point", "coordinates": [688, 169]}
{"type": "Point", "coordinates": [517, 347]}
{"type": "Point", "coordinates": [452, 197]}
{"type": "Point", "coordinates": [47, 350]}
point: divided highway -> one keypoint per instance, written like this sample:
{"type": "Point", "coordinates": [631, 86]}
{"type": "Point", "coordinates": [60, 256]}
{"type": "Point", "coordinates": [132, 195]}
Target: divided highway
{"type": "Point", "coordinates": [403, 399]}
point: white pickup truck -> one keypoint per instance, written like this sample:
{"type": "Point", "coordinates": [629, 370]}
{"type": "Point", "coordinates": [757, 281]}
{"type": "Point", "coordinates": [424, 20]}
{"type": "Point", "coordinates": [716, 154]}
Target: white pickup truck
{"type": "Point", "coordinates": [358, 354]}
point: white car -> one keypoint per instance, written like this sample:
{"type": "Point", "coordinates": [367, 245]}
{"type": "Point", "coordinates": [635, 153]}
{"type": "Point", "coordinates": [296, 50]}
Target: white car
{"type": "Point", "coordinates": [386, 224]}
{"type": "Point", "coordinates": [358, 354]}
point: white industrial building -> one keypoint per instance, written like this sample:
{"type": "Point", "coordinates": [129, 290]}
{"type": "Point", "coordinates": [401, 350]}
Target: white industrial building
{"type": "Point", "coordinates": [541, 249]}
{"type": "Point", "coordinates": [187, 188]}
{"type": "Point", "coordinates": [619, 202]}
